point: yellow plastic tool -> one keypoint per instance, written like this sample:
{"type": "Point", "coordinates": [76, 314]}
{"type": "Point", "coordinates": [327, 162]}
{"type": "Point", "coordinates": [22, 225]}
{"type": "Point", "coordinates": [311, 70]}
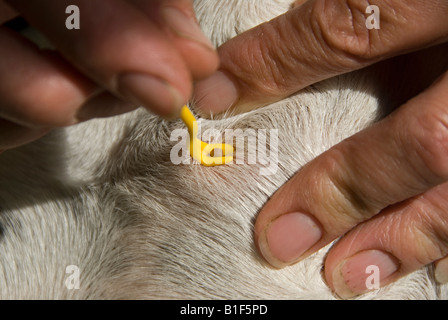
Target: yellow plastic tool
{"type": "Point", "coordinates": [200, 150]}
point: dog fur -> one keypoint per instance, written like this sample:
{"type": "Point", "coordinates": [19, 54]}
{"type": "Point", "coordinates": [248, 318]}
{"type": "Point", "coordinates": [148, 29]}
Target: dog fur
{"type": "Point", "coordinates": [105, 197]}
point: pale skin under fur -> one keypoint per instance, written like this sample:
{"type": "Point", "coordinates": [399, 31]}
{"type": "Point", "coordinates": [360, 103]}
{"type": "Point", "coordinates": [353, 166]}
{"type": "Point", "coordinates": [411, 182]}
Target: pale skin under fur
{"type": "Point", "coordinates": [105, 197]}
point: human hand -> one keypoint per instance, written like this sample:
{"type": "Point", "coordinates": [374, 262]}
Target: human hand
{"type": "Point", "coordinates": [126, 53]}
{"type": "Point", "coordinates": [384, 190]}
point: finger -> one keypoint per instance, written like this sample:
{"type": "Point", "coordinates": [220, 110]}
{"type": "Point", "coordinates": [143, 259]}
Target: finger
{"type": "Point", "coordinates": [400, 240]}
{"type": "Point", "coordinates": [6, 12]}
{"type": "Point", "coordinates": [118, 47]}
{"type": "Point", "coordinates": [178, 19]}
{"type": "Point", "coordinates": [398, 158]}
{"type": "Point", "coordinates": [39, 89]}
{"type": "Point", "coordinates": [441, 270]}
{"type": "Point", "coordinates": [13, 135]}
{"type": "Point", "coordinates": [315, 41]}
{"type": "Point", "coordinates": [298, 3]}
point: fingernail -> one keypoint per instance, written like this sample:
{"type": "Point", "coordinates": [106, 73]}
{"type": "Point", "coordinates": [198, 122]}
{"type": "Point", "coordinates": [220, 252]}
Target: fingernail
{"type": "Point", "coordinates": [364, 271]}
{"type": "Point", "coordinates": [151, 92]}
{"type": "Point", "coordinates": [441, 271]}
{"type": "Point", "coordinates": [103, 104]}
{"type": "Point", "coordinates": [185, 26]}
{"type": "Point", "coordinates": [288, 237]}
{"type": "Point", "coordinates": [217, 93]}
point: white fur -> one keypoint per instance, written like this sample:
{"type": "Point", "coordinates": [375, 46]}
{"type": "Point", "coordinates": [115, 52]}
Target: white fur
{"type": "Point", "coordinates": [104, 196]}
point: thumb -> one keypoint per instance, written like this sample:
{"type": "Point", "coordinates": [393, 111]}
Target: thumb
{"type": "Point", "coordinates": [315, 41]}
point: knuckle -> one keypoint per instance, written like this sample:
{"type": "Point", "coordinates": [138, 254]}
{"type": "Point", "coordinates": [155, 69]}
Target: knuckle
{"type": "Point", "coordinates": [344, 201]}
{"type": "Point", "coordinates": [342, 28]}
{"type": "Point", "coordinates": [431, 142]}
{"type": "Point", "coordinates": [277, 61]}
{"type": "Point", "coordinates": [430, 231]}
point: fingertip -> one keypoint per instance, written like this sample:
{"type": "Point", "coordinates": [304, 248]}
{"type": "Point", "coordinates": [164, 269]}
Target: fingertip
{"type": "Point", "coordinates": [152, 92]}
{"type": "Point", "coordinates": [185, 26]}
{"type": "Point", "coordinates": [202, 63]}
{"type": "Point", "coordinates": [364, 271]}
{"type": "Point", "coordinates": [441, 271]}
{"type": "Point", "coordinates": [103, 104]}
{"type": "Point", "coordinates": [286, 239]}
{"type": "Point", "coordinates": [196, 48]}
{"type": "Point", "coordinates": [216, 93]}
{"type": "Point", "coordinates": [298, 3]}
{"type": "Point", "coordinates": [13, 135]}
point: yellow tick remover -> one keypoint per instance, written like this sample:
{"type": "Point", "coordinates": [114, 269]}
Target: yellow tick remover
{"type": "Point", "coordinates": [200, 150]}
